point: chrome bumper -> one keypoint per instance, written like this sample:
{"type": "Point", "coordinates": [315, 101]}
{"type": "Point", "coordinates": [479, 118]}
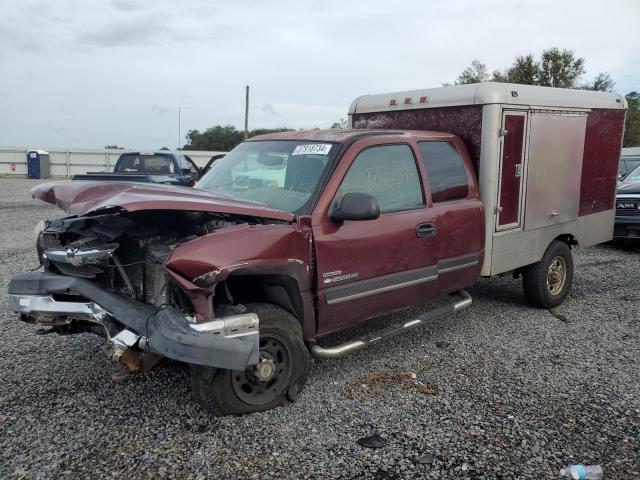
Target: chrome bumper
{"type": "Point", "coordinates": [45, 309]}
{"type": "Point", "coordinates": [228, 342]}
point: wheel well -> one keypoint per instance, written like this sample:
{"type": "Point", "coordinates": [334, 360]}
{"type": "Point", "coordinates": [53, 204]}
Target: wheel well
{"type": "Point", "coordinates": [279, 290]}
{"type": "Point", "coordinates": [567, 238]}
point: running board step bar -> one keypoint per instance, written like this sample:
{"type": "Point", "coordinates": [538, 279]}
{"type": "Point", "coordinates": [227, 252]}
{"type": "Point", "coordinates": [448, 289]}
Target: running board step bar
{"type": "Point", "coordinates": [373, 337]}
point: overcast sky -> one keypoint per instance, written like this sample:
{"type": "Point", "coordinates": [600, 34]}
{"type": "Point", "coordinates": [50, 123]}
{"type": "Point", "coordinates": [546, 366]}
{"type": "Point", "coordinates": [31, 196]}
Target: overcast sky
{"type": "Point", "coordinates": [79, 73]}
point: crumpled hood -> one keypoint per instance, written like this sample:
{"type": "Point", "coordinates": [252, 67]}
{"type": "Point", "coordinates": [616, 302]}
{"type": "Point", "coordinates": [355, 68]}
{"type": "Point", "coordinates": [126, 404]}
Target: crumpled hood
{"type": "Point", "coordinates": [629, 187]}
{"type": "Point", "coordinates": [81, 197]}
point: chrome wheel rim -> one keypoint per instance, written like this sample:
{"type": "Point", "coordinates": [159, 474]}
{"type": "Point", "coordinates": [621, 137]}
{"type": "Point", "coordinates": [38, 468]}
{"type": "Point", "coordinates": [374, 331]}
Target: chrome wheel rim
{"type": "Point", "coordinates": [556, 275]}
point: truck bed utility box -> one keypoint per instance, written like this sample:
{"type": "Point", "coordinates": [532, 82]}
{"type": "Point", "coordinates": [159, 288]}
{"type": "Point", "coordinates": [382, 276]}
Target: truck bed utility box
{"type": "Point", "coordinates": [546, 158]}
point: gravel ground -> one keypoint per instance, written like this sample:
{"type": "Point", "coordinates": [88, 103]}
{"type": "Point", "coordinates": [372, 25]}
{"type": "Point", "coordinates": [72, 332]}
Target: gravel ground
{"type": "Point", "coordinates": [505, 391]}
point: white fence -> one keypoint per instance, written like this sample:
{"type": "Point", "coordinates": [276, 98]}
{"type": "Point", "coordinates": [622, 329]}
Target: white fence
{"type": "Point", "coordinates": [631, 151]}
{"type": "Point", "coordinates": [71, 161]}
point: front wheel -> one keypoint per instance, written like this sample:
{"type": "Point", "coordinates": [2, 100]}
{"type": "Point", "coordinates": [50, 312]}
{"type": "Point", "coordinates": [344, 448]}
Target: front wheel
{"type": "Point", "coordinates": [277, 378]}
{"type": "Point", "coordinates": [547, 283]}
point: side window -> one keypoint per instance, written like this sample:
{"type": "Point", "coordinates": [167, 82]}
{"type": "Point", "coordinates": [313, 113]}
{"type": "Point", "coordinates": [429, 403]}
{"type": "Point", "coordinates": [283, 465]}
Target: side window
{"type": "Point", "coordinates": [446, 173]}
{"type": "Point", "coordinates": [389, 173]}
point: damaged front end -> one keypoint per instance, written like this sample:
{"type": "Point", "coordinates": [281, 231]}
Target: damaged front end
{"type": "Point", "coordinates": [105, 273]}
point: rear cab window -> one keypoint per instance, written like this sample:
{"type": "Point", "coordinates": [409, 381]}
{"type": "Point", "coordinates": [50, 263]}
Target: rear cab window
{"type": "Point", "coordinates": [151, 164]}
{"type": "Point", "coordinates": [446, 172]}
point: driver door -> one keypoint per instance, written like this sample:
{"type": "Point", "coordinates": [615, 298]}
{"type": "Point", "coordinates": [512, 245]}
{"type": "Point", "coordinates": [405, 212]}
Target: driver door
{"type": "Point", "coordinates": [369, 268]}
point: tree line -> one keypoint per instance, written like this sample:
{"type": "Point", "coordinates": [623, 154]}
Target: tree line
{"type": "Point", "coordinates": [554, 68]}
{"type": "Point", "coordinates": [222, 138]}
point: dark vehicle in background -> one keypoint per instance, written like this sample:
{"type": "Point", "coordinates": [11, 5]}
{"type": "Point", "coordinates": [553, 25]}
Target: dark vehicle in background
{"type": "Point", "coordinates": [627, 164]}
{"type": "Point", "coordinates": [627, 224]}
{"type": "Point", "coordinates": [158, 167]}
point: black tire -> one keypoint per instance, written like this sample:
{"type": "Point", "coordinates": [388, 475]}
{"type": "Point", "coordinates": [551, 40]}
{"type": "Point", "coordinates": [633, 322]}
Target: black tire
{"type": "Point", "coordinates": [541, 286]}
{"type": "Point", "coordinates": [228, 392]}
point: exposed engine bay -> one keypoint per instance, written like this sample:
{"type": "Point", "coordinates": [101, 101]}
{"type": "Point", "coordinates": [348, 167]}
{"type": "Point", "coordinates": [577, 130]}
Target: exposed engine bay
{"type": "Point", "coordinates": [126, 252]}
{"type": "Point", "coordinates": [105, 274]}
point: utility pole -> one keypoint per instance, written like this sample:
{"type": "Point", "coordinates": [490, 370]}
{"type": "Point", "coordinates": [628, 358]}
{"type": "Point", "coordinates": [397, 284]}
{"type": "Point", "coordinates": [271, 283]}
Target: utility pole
{"type": "Point", "coordinates": [246, 114]}
{"type": "Point", "coordinates": [179, 129]}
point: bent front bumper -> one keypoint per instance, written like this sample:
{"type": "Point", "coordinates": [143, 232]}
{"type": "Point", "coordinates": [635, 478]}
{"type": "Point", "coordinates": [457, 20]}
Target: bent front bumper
{"type": "Point", "coordinates": [229, 342]}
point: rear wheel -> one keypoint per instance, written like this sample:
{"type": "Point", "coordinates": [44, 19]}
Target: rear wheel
{"type": "Point", "coordinates": [547, 283]}
{"type": "Point", "coordinates": [276, 380]}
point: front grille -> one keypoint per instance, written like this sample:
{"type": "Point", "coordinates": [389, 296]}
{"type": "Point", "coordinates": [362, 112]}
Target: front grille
{"type": "Point", "coordinates": [85, 271]}
{"type": "Point", "coordinates": [141, 262]}
{"type": "Point", "coordinates": [628, 207]}
{"type": "Point", "coordinates": [51, 240]}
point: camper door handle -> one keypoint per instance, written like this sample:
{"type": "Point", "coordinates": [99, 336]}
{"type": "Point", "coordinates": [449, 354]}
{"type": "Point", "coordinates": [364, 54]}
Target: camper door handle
{"type": "Point", "coordinates": [554, 213]}
{"type": "Point", "coordinates": [425, 230]}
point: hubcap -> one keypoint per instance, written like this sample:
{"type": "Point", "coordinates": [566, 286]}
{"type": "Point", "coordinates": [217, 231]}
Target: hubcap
{"type": "Point", "coordinates": [556, 275]}
{"type": "Point", "coordinates": [262, 383]}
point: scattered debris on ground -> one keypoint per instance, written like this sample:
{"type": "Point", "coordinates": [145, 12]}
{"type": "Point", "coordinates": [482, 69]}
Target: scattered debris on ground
{"type": "Point", "coordinates": [376, 382]}
{"type": "Point", "coordinates": [373, 441]}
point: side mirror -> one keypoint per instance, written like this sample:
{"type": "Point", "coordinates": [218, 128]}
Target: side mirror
{"type": "Point", "coordinates": [355, 206]}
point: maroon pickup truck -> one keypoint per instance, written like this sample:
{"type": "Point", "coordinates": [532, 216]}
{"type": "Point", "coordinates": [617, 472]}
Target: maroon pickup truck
{"type": "Point", "coordinates": [295, 235]}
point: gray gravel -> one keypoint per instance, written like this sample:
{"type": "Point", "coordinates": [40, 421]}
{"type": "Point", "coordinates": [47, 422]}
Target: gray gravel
{"type": "Point", "coordinates": [500, 391]}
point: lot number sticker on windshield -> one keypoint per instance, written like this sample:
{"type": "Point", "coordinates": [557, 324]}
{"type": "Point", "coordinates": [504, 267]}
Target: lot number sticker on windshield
{"type": "Point", "coordinates": [312, 149]}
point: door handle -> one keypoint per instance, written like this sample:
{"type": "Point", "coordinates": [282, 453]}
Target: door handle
{"type": "Point", "coordinates": [519, 170]}
{"type": "Point", "coordinates": [425, 230]}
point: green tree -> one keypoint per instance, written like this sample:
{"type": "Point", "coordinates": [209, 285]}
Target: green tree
{"type": "Point", "coordinates": [556, 68]}
{"type": "Point", "coordinates": [222, 138]}
{"type": "Point", "coordinates": [474, 73]}
{"type": "Point", "coordinates": [602, 83]}
{"type": "Point", "coordinates": [560, 68]}
{"type": "Point", "coordinates": [632, 121]}
{"type": "Point", "coordinates": [525, 70]}
{"type": "Point", "coordinates": [218, 137]}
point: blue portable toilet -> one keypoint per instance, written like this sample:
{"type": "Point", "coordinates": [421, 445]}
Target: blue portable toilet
{"type": "Point", "coordinates": [37, 164]}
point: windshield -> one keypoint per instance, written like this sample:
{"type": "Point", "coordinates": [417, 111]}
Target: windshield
{"type": "Point", "coordinates": [280, 174]}
{"type": "Point", "coordinates": [634, 176]}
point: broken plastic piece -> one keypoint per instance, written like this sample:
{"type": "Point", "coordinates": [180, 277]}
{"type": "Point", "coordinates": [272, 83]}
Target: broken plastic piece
{"type": "Point", "coordinates": [374, 441]}
{"type": "Point", "coordinates": [46, 331]}
{"type": "Point", "coordinates": [426, 459]}
{"type": "Point", "coordinates": [582, 472]}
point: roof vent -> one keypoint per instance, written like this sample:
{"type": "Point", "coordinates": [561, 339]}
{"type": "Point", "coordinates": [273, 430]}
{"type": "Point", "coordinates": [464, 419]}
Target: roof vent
{"type": "Point", "coordinates": [393, 101]}
{"type": "Point", "coordinates": [424, 99]}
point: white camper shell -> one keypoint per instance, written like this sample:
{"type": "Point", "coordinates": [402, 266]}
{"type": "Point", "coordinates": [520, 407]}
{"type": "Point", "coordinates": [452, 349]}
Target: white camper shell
{"type": "Point", "coordinates": [546, 158]}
